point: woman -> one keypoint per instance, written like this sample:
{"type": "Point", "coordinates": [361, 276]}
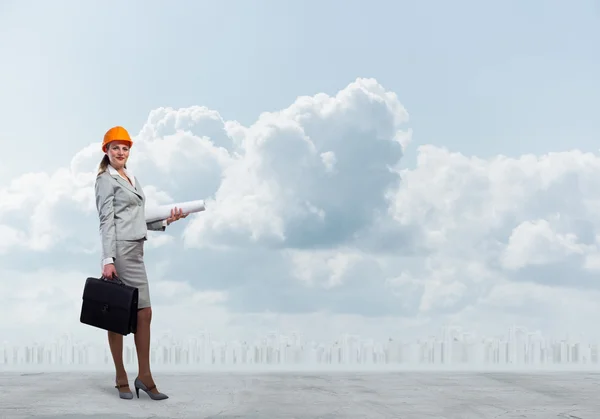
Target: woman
{"type": "Point", "coordinates": [120, 202]}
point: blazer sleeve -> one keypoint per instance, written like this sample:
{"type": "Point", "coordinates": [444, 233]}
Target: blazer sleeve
{"type": "Point", "coordinates": [104, 204]}
{"type": "Point", "coordinates": [159, 225]}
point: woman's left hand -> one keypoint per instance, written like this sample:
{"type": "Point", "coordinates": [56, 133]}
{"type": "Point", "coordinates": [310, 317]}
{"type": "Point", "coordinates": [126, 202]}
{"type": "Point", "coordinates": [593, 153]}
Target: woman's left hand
{"type": "Point", "coordinates": [176, 214]}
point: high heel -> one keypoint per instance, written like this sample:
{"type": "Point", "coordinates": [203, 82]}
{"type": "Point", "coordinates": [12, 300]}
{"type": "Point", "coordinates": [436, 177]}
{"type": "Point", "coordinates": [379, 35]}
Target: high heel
{"type": "Point", "coordinates": [128, 395]}
{"type": "Point", "coordinates": [141, 386]}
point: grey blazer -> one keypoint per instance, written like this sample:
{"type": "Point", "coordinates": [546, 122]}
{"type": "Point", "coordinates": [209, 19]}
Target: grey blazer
{"type": "Point", "coordinates": [121, 211]}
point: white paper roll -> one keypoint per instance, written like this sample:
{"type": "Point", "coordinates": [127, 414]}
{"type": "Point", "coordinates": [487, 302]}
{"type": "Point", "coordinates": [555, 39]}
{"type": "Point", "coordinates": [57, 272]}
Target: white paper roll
{"type": "Point", "coordinates": [163, 212]}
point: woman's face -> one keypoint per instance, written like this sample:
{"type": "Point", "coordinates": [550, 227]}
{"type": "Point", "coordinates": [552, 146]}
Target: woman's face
{"type": "Point", "coordinates": [118, 153]}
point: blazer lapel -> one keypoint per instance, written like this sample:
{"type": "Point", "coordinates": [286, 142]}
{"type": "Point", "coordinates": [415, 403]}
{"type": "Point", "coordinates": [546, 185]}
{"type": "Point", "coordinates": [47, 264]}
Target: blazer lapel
{"type": "Point", "coordinates": [127, 185]}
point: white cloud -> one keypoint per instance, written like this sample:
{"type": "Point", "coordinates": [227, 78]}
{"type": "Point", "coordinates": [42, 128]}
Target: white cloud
{"type": "Point", "coordinates": [536, 243]}
{"type": "Point", "coordinates": [10, 238]}
{"type": "Point", "coordinates": [310, 221]}
{"type": "Point", "coordinates": [522, 220]}
{"type": "Point", "coordinates": [323, 268]}
{"type": "Point", "coordinates": [313, 173]}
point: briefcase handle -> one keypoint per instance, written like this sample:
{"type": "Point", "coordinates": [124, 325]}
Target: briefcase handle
{"type": "Point", "coordinates": [114, 278]}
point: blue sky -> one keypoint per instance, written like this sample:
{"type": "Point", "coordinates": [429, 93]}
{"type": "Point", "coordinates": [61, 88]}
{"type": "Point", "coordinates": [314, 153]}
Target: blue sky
{"type": "Point", "coordinates": [305, 220]}
{"type": "Point", "coordinates": [505, 77]}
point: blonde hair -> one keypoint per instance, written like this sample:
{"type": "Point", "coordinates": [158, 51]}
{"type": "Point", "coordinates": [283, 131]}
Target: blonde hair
{"type": "Point", "coordinates": [103, 164]}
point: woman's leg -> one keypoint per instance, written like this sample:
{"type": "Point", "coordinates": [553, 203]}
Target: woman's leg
{"type": "Point", "coordinates": [115, 341]}
{"type": "Point", "coordinates": [142, 345]}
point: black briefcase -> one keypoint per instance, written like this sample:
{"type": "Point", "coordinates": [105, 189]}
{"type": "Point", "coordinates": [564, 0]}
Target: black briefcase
{"type": "Point", "coordinates": [109, 304]}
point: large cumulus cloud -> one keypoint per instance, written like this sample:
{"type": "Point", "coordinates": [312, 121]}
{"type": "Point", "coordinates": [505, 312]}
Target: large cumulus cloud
{"type": "Point", "coordinates": [311, 175]}
{"type": "Point", "coordinates": [520, 216]}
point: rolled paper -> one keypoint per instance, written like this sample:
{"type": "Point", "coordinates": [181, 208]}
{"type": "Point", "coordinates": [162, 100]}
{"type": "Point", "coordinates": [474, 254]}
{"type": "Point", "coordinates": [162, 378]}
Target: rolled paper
{"type": "Point", "coordinates": [162, 212]}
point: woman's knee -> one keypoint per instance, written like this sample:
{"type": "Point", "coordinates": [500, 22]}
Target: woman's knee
{"type": "Point", "coordinates": [145, 314]}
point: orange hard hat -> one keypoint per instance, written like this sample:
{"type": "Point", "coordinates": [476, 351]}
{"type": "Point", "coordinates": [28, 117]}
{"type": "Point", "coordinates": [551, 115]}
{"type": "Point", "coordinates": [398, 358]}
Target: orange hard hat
{"type": "Point", "coordinates": [116, 134]}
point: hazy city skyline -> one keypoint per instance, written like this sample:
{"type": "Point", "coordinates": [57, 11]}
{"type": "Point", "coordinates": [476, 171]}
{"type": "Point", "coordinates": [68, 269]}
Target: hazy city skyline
{"type": "Point", "coordinates": [454, 348]}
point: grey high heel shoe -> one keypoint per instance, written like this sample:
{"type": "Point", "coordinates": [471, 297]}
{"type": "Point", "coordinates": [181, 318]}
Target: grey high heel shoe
{"type": "Point", "coordinates": [141, 386]}
{"type": "Point", "coordinates": [128, 395]}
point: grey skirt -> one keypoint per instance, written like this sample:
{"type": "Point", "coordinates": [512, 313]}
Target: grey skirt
{"type": "Point", "coordinates": [131, 269]}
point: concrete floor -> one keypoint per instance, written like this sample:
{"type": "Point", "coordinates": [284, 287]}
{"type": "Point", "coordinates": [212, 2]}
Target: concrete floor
{"type": "Point", "coordinates": [406, 395]}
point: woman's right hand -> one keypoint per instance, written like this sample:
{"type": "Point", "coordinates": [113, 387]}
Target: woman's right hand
{"type": "Point", "coordinates": [109, 271]}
